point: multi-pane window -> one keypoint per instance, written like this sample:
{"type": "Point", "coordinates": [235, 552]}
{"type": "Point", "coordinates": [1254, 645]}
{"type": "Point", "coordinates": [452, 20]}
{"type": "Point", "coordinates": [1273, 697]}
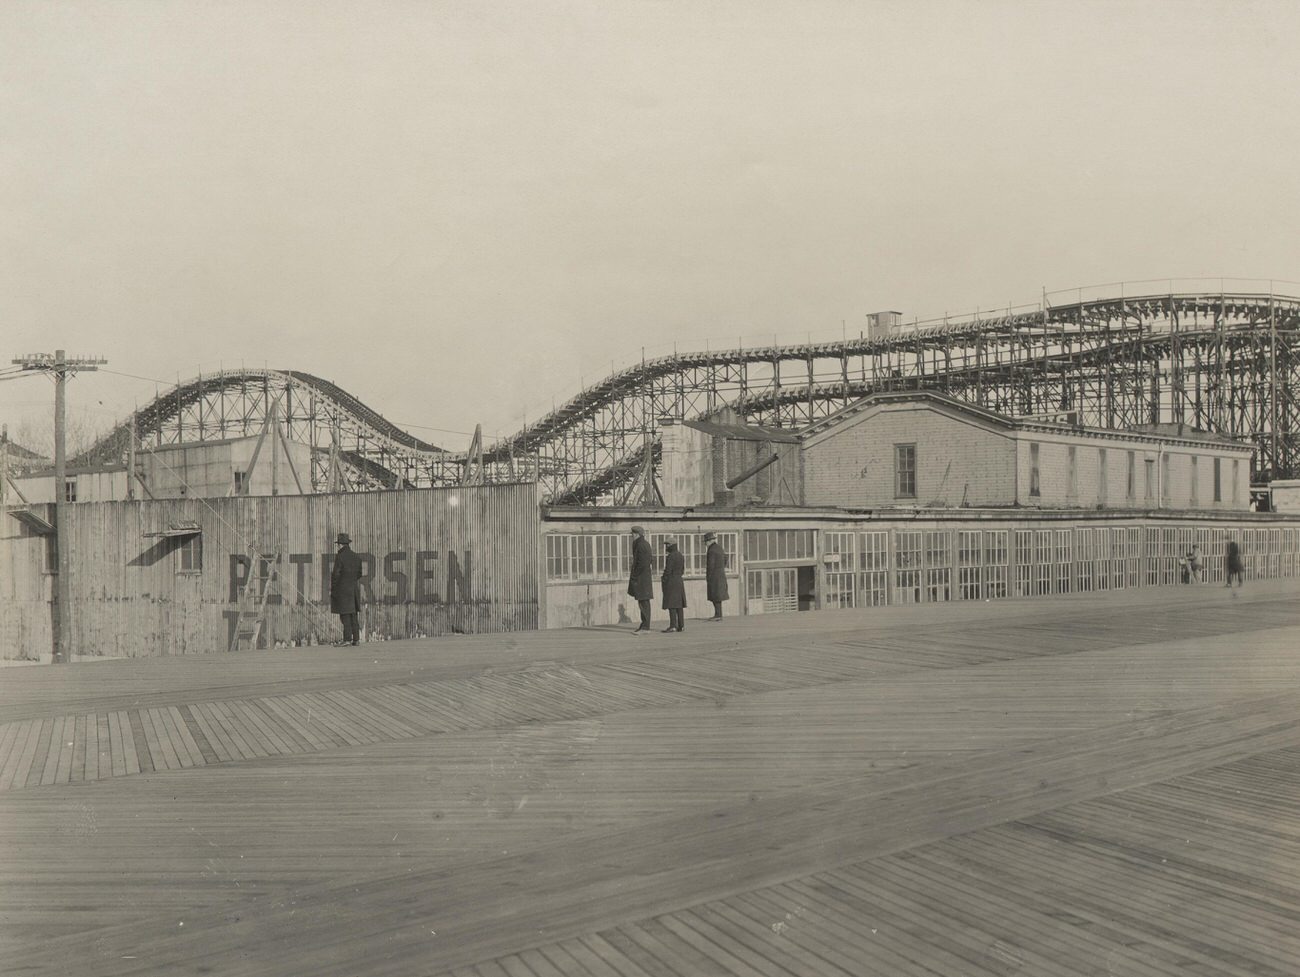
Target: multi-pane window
{"type": "Point", "coordinates": [569, 557]}
{"type": "Point", "coordinates": [995, 563]}
{"type": "Point", "coordinates": [969, 558]}
{"type": "Point", "coordinates": [1064, 560]}
{"type": "Point", "coordinates": [1035, 489]}
{"type": "Point", "coordinates": [904, 471]}
{"type": "Point", "coordinates": [839, 574]}
{"type": "Point", "coordinates": [771, 591]}
{"type": "Point", "coordinates": [190, 554]}
{"type": "Point", "coordinates": [70, 490]}
{"type": "Point", "coordinates": [1042, 572]}
{"type": "Point", "coordinates": [1024, 561]}
{"type": "Point", "coordinates": [937, 565]}
{"type": "Point", "coordinates": [762, 545]}
{"type": "Point", "coordinates": [873, 568]}
{"type": "Point", "coordinates": [609, 555]}
{"type": "Point", "coordinates": [907, 566]}
{"type": "Point", "coordinates": [1083, 559]}
{"type": "Point", "coordinates": [685, 543]}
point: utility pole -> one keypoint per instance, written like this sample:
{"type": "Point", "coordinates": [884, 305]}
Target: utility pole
{"type": "Point", "coordinates": [59, 366]}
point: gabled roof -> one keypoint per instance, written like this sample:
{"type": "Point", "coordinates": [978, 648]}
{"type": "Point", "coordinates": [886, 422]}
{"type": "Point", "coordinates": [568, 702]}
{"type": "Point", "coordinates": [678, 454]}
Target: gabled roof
{"type": "Point", "coordinates": [935, 399]}
{"type": "Point", "coordinates": [992, 419]}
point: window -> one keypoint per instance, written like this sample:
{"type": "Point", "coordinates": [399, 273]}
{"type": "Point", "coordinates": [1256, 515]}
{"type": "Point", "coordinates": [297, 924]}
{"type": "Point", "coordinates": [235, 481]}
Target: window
{"type": "Point", "coordinates": [873, 568]}
{"type": "Point", "coordinates": [1218, 479]}
{"type": "Point", "coordinates": [1102, 476]}
{"type": "Point", "coordinates": [1072, 472]}
{"type": "Point", "coordinates": [904, 471]}
{"type": "Point", "coordinates": [969, 554]}
{"type": "Point", "coordinates": [1196, 477]}
{"type": "Point", "coordinates": [241, 482]}
{"type": "Point", "coordinates": [1130, 486]}
{"type": "Point", "coordinates": [568, 557]}
{"type": "Point", "coordinates": [1164, 477]}
{"type": "Point", "coordinates": [609, 555]}
{"type": "Point", "coordinates": [70, 490]}
{"type": "Point", "coordinates": [779, 544]}
{"type": "Point", "coordinates": [1150, 487]}
{"type": "Point", "coordinates": [190, 554]}
{"type": "Point", "coordinates": [1035, 489]}
{"type": "Point", "coordinates": [937, 560]}
{"type": "Point", "coordinates": [996, 548]}
{"type": "Point", "coordinates": [907, 566]}
{"type": "Point", "coordinates": [1236, 480]}
{"type": "Point", "coordinates": [837, 549]}
{"type": "Point", "coordinates": [771, 591]}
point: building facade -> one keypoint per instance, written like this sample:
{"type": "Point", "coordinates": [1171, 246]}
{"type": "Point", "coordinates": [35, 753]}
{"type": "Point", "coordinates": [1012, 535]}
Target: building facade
{"type": "Point", "coordinates": [804, 559]}
{"type": "Point", "coordinates": [922, 449]}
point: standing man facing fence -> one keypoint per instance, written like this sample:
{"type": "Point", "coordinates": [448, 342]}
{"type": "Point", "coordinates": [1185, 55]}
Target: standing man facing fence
{"type": "Point", "coordinates": [345, 589]}
{"type": "Point", "coordinates": [715, 569]}
{"type": "Point", "coordinates": [674, 587]}
{"type": "Point", "coordinates": [640, 584]}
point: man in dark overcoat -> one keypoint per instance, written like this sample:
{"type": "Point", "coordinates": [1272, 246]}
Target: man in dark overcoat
{"type": "Point", "coordinates": [1234, 565]}
{"type": "Point", "coordinates": [640, 584]}
{"type": "Point", "coordinates": [345, 589]}
{"type": "Point", "coordinates": [674, 587]}
{"type": "Point", "coordinates": [715, 567]}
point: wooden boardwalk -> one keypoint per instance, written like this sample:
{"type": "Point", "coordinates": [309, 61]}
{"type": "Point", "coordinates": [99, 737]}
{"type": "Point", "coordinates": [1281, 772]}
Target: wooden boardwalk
{"type": "Point", "coordinates": [1103, 784]}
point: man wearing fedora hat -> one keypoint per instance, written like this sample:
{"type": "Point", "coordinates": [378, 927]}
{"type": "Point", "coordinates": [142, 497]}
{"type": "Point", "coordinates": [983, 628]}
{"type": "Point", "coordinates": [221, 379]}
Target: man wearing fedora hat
{"type": "Point", "coordinates": [640, 583]}
{"type": "Point", "coordinates": [345, 589]}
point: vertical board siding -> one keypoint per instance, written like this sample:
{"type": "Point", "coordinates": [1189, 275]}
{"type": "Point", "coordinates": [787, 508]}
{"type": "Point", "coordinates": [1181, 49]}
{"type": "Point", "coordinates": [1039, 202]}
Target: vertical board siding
{"type": "Point", "coordinates": [26, 619]}
{"type": "Point", "coordinates": [131, 598]}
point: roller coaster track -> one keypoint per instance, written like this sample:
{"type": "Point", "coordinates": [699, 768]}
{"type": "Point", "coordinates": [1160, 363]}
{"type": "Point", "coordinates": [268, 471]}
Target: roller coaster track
{"type": "Point", "coordinates": [1222, 361]}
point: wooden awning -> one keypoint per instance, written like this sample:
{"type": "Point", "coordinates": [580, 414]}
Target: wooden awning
{"type": "Point", "coordinates": [33, 519]}
{"type": "Point", "coordinates": [180, 529]}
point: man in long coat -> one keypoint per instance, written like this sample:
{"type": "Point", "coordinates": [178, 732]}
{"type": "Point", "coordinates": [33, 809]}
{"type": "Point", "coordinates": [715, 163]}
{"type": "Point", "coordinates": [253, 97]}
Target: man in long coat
{"type": "Point", "coordinates": [674, 587]}
{"type": "Point", "coordinates": [715, 567]}
{"type": "Point", "coordinates": [345, 589]}
{"type": "Point", "coordinates": [640, 584]}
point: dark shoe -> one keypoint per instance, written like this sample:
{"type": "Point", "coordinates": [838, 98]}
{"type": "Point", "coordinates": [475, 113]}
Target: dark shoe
{"type": "Point", "coordinates": [669, 630]}
{"type": "Point", "coordinates": [640, 630]}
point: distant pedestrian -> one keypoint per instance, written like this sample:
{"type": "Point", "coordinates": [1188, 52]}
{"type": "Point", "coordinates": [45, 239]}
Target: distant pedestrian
{"type": "Point", "coordinates": [674, 588]}
{"type": "Point", "coordinates": [715, 566]}
{"type": "Point", "coordinates": [640, 584]}
{"type": "Point", "coordinates": [1233, 564]}
{"type": "Point", "coordinates": [1194, 564]}
{"type": "Point", "coordinates": [345, 589]}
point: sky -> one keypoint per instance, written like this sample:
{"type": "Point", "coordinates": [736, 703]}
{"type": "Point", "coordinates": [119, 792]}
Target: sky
{"type": "Point", "coordinates": [462, 212]}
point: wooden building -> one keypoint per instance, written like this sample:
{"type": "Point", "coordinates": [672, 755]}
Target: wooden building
{"type": "Point", "coordinates": [924, 449]}
{"type": "Point", "coordinates": [179, 576]}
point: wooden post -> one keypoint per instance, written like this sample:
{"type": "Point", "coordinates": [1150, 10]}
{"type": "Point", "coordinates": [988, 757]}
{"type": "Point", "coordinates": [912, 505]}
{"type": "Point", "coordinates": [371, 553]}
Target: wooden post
{"type": "Point", "coordinates": [62, 619]}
